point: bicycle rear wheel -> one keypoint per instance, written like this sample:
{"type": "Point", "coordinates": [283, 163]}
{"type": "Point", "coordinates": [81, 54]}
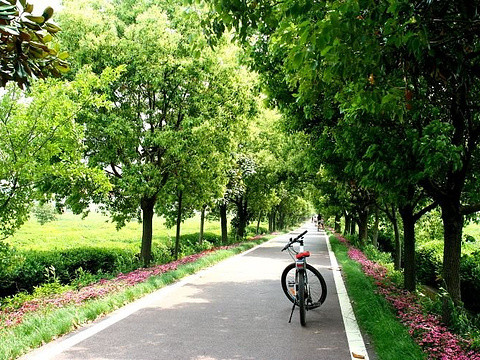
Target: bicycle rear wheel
{"type": "Point", "coordinates": [317, 287]}
{"type": "Point", "coordinates": [301, 297]}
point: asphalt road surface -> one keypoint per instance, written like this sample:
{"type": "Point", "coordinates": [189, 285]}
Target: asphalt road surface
{"type": "Point", "coordinates": [233, 310]}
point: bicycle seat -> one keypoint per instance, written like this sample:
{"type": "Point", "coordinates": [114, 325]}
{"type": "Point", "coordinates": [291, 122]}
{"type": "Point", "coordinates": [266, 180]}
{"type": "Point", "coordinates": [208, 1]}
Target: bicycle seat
{"type": "Point", "coordinates": [303, 255]}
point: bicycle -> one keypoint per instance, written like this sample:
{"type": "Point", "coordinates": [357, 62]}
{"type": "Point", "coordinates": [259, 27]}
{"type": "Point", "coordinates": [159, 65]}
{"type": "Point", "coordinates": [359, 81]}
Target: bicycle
{"type": "Point", "coordinates": [303, 285]}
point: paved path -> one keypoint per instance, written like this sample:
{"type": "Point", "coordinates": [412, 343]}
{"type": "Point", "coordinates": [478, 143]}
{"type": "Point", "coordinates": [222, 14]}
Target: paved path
{"type": "Point", "coordinates": [233, 310]}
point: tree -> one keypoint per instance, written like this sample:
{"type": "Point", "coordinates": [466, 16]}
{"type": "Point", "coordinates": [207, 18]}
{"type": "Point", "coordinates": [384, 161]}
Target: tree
{"type": "Point", "coordinates": [25, 47]}
{"type": "Point", "coordinates": [41, 148]}
{"type": "Point", "coordinates": [392, 170]}
{"type": "Point", "coordinates": [200, 175]}
{"type": "Point", "coordinates": [163, 100]}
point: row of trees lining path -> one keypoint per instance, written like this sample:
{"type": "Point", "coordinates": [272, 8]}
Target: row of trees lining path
{"type": "Point", "coordinates": [378, 100]}
{"type": "Point", "coordinates": [389, 91]}
{"type": "Point", "coordinates": [149, 120]}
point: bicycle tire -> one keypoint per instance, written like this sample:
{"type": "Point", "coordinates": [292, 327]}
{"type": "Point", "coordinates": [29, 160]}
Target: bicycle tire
{"type": "Point", "coordinates": [317, 287]}
{"type": "Point", "coordinates": [301, 298]}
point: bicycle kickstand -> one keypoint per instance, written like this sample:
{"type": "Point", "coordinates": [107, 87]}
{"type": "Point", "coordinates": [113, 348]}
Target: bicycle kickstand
{"type": "Point", "coordinates": [291, 314]}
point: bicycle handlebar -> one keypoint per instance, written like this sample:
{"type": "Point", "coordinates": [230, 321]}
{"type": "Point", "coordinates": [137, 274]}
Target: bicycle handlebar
{"type": "Point", "coordinates": [292, 241]}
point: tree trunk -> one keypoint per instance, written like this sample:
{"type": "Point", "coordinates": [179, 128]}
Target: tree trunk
{"type": "Point", "coordinates": [375, 228]}
{"type": "Point", "coordinates": [337, 224]}
{"type": "Point", "coordinates": [223, 223]}
{"type": "Point", "coordinates": [272, 226]}
{"type": "Point", "coordinates": [258, 222]}
{"type": "Point", "coordinates": [281, 220]}
{"type": "Point", "coordinates": [241, 217]}
{"type": "Point", "coordinates": [202, 225]}
{"type": "Point", "coordinates": [398, 242]}
{"type": "Point", "coordinates": [453, 226]}
{"type": "Point", "coordinates": [409, 281]}
{"type": "Point", "coordinates": [147, 205]}
{"type": "Point", "coordinates": [179, 222]}
{"type": "Point", "coordinates": [391, 213]}
{"type": "Point", "coordinates": [362, 226]}
{"type": "Point", "coordinates": [348, 224]}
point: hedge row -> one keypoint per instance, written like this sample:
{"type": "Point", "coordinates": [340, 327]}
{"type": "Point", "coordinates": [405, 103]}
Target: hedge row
{"type": "Point", "coordinates": [25, 270]}
{"type": "Point", "coordinates": [29, 269]}
{"type": "Point", "coordinates": [429, 263]}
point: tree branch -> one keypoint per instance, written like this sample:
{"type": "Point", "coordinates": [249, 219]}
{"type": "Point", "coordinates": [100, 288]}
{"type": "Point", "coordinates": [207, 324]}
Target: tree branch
{"type": "Point", "coordinates": [425, 210]}
{"type": "Point", "coordinates": [470, 209]}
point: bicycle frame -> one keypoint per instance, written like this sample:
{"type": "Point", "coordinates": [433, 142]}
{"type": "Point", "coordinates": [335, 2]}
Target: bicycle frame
{"type": "Point", "coordinates": [300, 270]}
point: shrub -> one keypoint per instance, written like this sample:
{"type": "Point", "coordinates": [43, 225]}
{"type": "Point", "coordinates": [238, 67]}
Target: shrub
{"type": "Point", "coordinates": [212, 238]}
{"type": "Point", "coordinates": [376, 255]}
{"type": "Point", "coordinates": [429, 227]}
{"type": "Point", "coordinates": [429, 261]}
{"type": "Point", "coordinates": [470, 280]}
{"type": "Point", "coordinates": [386, 242]}
{"type": "Point", "coordinates": [39, 267]}
{"type": "Point", "coordinates": [162, 252]}
{"type": "Point", "coordinates": [9, 260]}
{"type": "Point", "coordinates": [27, 270]}
{"type": "Point", "coordinates": [189, 244]}
{"type": "Point", "coordinates": [251, 230]}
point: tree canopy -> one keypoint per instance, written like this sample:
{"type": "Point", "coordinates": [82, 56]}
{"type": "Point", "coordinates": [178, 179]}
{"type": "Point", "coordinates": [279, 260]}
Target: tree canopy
{"type": "Point", "coordinates": [408, 69]}
{"type": "Point", "coordinates": [174, 116]}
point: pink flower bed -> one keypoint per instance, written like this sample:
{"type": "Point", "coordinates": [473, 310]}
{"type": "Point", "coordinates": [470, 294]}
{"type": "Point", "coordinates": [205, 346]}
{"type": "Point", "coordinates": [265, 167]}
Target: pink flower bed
{"type": "Point", "coordinates": [10, 316]}
{"type": "Point", "coordinates": [427, 331]}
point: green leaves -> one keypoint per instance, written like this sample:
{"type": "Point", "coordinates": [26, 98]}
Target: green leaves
{"type": "Point", "coordinates": [437, 152]}
{"type": "Point", "coordinates": [25, 51]}
{"type": "Point", "coordinates": [42, 150]}
{"type": "Point", "coordinates": [173, 119]}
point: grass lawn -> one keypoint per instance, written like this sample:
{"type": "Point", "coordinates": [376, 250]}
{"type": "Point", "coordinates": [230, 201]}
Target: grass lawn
{"type": "Point", "coordinates": [71, 231]}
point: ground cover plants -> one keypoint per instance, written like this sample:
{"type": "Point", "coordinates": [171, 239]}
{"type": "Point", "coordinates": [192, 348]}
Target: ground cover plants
{"type": "Point", "coordinates": [426, 329]}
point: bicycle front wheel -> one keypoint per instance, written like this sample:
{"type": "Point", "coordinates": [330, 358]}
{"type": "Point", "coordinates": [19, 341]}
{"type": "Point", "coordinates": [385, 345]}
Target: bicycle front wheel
{"type": "Point", "coordinates": [317, 287]}
{"type": "Point", "coordinates": [301, 297]}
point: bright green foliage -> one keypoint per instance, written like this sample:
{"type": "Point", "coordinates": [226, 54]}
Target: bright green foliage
{"type": "Point", "coordinates": [41, 149]}
{"type": "Point", "coordinates": [26, 49]}
{"type": "Point", "coordinates": [174, 115]}
{"type": "Point", "coordinates": [206, 160]}
{"type": "Point", "coordinates": [268, 178]}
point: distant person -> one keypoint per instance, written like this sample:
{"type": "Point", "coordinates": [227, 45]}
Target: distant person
{"type": "Point", "coordinates": [320, 222]}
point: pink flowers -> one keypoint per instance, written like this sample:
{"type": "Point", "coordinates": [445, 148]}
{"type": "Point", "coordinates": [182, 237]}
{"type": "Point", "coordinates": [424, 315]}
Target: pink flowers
{"type": "Point", "coordinates": [427, 331]}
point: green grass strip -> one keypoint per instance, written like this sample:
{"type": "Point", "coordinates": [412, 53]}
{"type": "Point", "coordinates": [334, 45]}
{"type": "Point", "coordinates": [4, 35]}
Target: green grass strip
{"type": "Point", "coordinates": [38, 329]}
{"type": "Point", "coordinates": [390, 339]}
